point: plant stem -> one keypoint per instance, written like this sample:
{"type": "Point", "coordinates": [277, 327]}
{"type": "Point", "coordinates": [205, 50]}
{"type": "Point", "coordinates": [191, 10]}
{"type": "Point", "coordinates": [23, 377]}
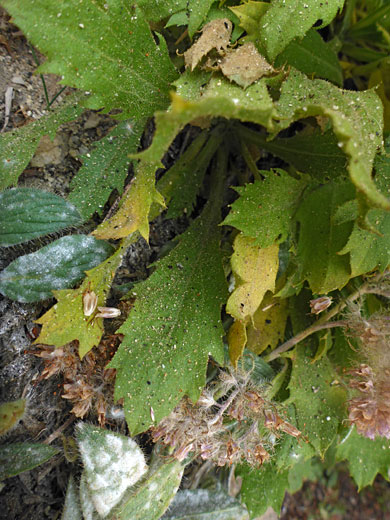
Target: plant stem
{"type": "Point", "coordinates": [323, 322]}
{"type": "Point", "coordinates": [302, 335]}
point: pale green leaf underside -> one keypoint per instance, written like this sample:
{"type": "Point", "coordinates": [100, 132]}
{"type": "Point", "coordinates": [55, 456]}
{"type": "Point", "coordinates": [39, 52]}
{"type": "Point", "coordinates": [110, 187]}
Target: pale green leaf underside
{"type": "Point", "coordinates": [61, 264]}
{"type": "Point", "coordinates": [105, 168]}
{"type": "Point", "coordinates": [27, 213]}
{"type": "Point", "coordinates": [205, 504]}
{"type": "Point", "coordinates": [23, 456]}
{"type": "Point", "coordinates": [112, 462]}
{"type": "Point", "coordinates": [357, 119]}
{"type": "Point", "coordinates": [264, 209]}
{"type": "Point", "coordinates": [366, 458]}
{"type": "Point", "coordinates": [173, 327]}
{"type": "Point", "coordinates": [72, 510]}
{"type": "Point", "coordinates": [286, 20]}
{"type": "Point", "coordinates": [319, 404]}
{"type": "Point", "coordinates": [105, 48]}
{"type": "Point", "coordinates": [150, 498]}
{"type": "Point", "coordinates": [18, 146]}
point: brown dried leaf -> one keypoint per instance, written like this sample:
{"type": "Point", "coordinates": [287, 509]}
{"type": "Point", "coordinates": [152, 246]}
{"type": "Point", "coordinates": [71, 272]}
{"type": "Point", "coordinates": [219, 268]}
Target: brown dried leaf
{"type": "Point", "coordinates": [215, 35]}
{"type": "Point", "coordinates": [245, 65]}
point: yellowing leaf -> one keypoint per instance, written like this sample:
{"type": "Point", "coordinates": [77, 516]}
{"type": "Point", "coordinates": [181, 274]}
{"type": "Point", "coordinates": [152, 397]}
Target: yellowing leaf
{"type": "Point", "coordinates": [267, 326]}
{"type": "Point", "coordinates": [255, 271]}
{"type": "Point", "coordinates": [10, 414]}
{"type": "Point", "coordinates": [134, 210]}
{"type": "Point", "coordinates": [236, 341]}
{"type": "Point", "coordinates": [66, 321]}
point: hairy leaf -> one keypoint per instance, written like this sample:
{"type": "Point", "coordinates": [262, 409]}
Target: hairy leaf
{"type": "Point", "coordinates": [18, 146]}
{"type": "Point", "coordinates": [112, 464]}
{"type": "Point", "coordinates": [72, 510]}
{"type": "Point", "coordinates": [357, 119]}
{"type": "Point", "coordinates": [152, 496]}
{"type": "Point", "coordinates": [204, 504]}
{"type": "Point", "coordinates": [62, 263]}
{"type": "Point", "coordinates": [174, 326]}
{"type": "Point", "coordinates": [254, 269]}
{"type": "Point", "coordinates": [105, 168]}
{"type": "Point", "coordinates": [120, 59]}
{"type": "Point", "coordinates": [66, 322]}
{"type": "Point", "coordinates": [366, 458]}
{"type": "Point", "coordinates": [319, 403]}
{"type": "Point", "coordinates": [27, 213]}
{"type": "Point", "coordinates": [264, 209]}
{"type": "Point", "coordinates": [276, 29]}
{"type": "Point", "coordinates": [262, 488]}
{"type": "Point", "coordinates": [87, 507]}
{"type": "Point", "coordinates": [312, 56]}
{"type": "Point", "coordinates": [321, 238]}
{"type": "Point", "coordinates": [23, 456]}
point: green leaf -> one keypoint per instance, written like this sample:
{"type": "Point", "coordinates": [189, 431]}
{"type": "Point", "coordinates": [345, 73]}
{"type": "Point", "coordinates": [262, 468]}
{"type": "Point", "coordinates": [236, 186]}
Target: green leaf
{"type": "Point", "coordinates": [27, 213]}
{"type": "Point", "coordinates": [157, 11]}
{"type": "Point", "coordinates": [198, 12]}
{"type": "Point", "coordinates": [250, 14]}
{"type": "Point", "coordinates": [366, 458]}
{"type": "Point", "coordinates": [174, 325]}
{"type": "Point", "coordinates": [262, 488]}
{"type": "Point", "coordinates": [312, 56]}
{"type": "Point", "coordinates": [189, 171]}
{"type": "Point", "coordinates": [152, 496]}
{"type": "Point", "coordinates": [303, 471]}
{"type": "Point", "coordinates": [18, 146]}
{"type": "Point", "coordinates": [66, 322]}
{"type": "Point", "coordinates": [264, 209]}
{"type": "Point", "coordinates": [62, 263]}
{"type": "Point", "coordinates": [105, 168]}
{"type": "Point", "coordinates": [319, 403]}
{"type": "Point", "coordinates": [112, 464]}
{"type": "Point", "coordinates": [72, 510]}
{"type": "Point", "coordinates": [219, 99]}
{"type": "Point", "coordinates": [369, 251]}
{"type": "Point", "coordinates": [357, 119]}
{"type": "Point", "coordinates": [321, 238]}
{"type": "Point", "coordinates": [120, 59]}
{"type": "Point", "coordinates": [276, 30]}
{"type": "Point", "coordinates": [19, 457]}
{"type": "Point", "coordinates": [204, 504]}
{"type": "Point", "coordinates": [316, 154]}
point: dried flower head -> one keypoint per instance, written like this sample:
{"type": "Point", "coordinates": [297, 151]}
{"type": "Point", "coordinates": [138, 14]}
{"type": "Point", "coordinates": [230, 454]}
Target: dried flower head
{"type": "Point", "coordinates": [237, 426]}
{"type": "Point", "coordinates": [88, 384]}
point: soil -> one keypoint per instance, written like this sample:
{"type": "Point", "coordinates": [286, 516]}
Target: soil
{"type": "Point", "coordinates": [39, 494]}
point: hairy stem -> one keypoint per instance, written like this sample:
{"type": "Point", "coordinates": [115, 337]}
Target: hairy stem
{"type": "Point", "coordinates": [323, 322]}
